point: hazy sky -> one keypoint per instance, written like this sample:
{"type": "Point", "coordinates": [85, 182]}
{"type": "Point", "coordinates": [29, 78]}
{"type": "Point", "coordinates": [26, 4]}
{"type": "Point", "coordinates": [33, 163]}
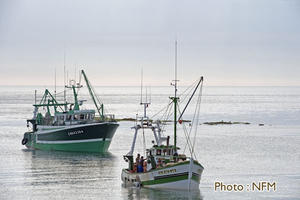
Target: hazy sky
{"type": "Point", "coordinates": [229, 42]}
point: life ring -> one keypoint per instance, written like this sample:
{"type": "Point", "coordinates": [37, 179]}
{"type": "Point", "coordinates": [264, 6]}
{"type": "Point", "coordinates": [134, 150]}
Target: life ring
{"type": "Point", "coordinates": [24, 141]}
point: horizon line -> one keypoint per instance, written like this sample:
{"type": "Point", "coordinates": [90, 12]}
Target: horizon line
{"type": "Point", "coordinates": [156, 86]}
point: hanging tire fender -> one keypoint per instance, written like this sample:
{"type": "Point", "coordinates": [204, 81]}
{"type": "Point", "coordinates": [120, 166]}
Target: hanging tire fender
{"type": "Point", "coordinates": [24, 141]}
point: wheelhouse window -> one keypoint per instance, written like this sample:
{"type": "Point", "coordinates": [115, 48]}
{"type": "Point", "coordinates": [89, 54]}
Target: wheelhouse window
{"type": "Point", "coordinates": [168, 152]}
{"type": "Point", "coordinates": [81, 117]}
{"type": "Point", "coordinates": [76, 117]}
{"type": "Point", "coordinates": [158, 152]}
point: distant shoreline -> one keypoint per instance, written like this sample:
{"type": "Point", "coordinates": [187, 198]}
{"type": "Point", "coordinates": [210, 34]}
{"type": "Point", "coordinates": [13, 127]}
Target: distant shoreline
{"type": "Point", "coordinates": [205, 123]}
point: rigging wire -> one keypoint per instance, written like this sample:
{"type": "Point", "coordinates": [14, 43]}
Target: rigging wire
{"type": "Point", "coordinates": [169, 112]}
{"type": "Point", "coordinates": [78, 81]}
{"type": "Point", "coordinates": [189, 88]}
{"type": "Point", "coordinates": [97, 98]}
{"type": "Point", "coordinates": [164, 108]}
{"type": "Point", "coordinates": [188, 142]}
{"type": "Point", "coordinates": [195, 121]}
{"type": "Point", "coordinates": [144, 142]}
{"type": "Point", "coordinates": [197, 118]}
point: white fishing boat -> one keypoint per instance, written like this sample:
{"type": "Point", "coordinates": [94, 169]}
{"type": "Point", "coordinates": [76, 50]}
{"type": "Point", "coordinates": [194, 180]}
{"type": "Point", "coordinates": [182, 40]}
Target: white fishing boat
{"type": "Point", "coordinates": [164, 166]}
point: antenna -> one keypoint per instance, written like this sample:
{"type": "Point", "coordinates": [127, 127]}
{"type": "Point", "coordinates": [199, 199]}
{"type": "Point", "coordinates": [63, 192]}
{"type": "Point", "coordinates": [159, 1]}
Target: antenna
{"type": "Point", "coordinates": [55, 82]}
{"type": "Point", "coordinates": [150, 95]}
{"type": "Point", "coordinates": [175, 68]}
{"type": "Point", "coordinates": [68, 82]}
{"type": "Point", "coordinates": [141, 86]}
{"type": "Point", "coordinates": [65, 76]}
{"type": "Point", "coordinates": [75, 73]}
{"type": "Point", "coordinates": [145, 104]}
{"type": "Point", "coordinates": [35, 96]}
{"type": "Point", "coordinates": [146, 95]}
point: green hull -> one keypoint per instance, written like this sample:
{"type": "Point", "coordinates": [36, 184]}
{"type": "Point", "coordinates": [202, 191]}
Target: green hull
{"type": "Point", "coordinates": [81, 138]}
{"type": "Point", "coordinates": [97, 146]}
{"type": "Point", "coordinates": [171, 179]}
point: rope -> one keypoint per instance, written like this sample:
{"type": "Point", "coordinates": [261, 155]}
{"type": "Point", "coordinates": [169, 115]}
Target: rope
{"type": "Point", "coordinates": [186, 136]}
{"type": "Point", "coordinates": [194, 119]}
{"type": "Point", "coordinates": [168, 114]}
{"type": "Point", "coordinates": [144, 143]}
{"type": "Point", "coordinates": [166, 107]}
{"type": "Point", "coordinates": [181, 94]}
{"type": "Point", "coordinates": [197, 118]}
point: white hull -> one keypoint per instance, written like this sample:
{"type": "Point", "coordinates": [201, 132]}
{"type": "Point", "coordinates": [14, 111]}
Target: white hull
{"type": "Point", "coordinates": [181, 176]}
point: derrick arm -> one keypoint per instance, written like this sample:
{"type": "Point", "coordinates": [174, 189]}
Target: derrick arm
{"type": "Point", "coordinates": [99, 109]}
{"type": "Point", "coordinates": [201, 80]}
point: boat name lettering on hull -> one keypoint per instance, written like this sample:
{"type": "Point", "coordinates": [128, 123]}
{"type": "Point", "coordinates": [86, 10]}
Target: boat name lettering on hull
{"type": "Point", "coordinates": [75, 132]}
{"type": "Point", "coordinates": [167, 171]}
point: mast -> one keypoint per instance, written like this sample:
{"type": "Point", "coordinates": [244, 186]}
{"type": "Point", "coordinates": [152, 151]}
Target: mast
{"type": "Point", "coordinates": [55, 82]}
{"type": "Point", "coordinates": [141, 86]}
{"type": "Point", "coordinates": [65, 79]}
{"type": "Point", "coordinates": [175, 98]}
{"type": "Point", "coordinates": [35, 96]}
{"type": "Point", "coordinates": [73, 85]}
{"type": "Point", "coordinates": [146, 103]}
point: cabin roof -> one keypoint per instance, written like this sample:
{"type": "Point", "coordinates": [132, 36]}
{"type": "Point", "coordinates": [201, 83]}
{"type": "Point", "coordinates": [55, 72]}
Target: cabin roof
{"type": "Point", "coordinates": [76, 112]}
{"type": "Point", "coordinates": [164, 147]}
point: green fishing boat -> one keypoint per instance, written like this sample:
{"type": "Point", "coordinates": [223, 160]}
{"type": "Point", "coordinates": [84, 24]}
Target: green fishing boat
{"type": "Point", "coordinates": [66, 127]}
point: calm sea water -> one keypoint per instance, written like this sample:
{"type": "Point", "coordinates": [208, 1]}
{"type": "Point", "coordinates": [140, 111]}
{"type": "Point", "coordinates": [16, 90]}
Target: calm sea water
{"type": "Point", "coordinates": [233, 154]}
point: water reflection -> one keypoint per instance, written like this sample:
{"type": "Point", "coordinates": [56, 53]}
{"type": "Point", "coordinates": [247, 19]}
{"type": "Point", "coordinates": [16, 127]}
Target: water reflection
{"type": "Point", "coordinates": [84, 176]}
{"type": "Point", "coordinates": [145, 193]}
{"type": "Point", "coordinates": [69, 174]}
{"type": "Point", "coordinates": [69, 167]}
